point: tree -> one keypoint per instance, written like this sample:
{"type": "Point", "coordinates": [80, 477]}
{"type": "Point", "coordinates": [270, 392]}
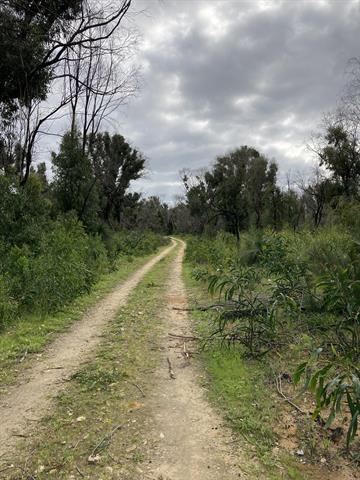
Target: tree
{"type": "Point", "coordinates": [317, 193]}
{"type": "Point", "coordinates": [115, 164]}
{"type": "Point", "coordinates": [154, 215]}
{"type": "Point", "coordinates": [29, 32]}
{"type": "Point", "coordinates": [39, 39]}
{"type": "Point", "coordinates": [197, 200]}
{"type": "Point", "coordinates": [261, 182]}
{"type": "Point", "coordinates": [74, 185]}
{"type": "Point", "coordinates": [236, 190]}
{"type": "Point", "coordinates": [341, 156]}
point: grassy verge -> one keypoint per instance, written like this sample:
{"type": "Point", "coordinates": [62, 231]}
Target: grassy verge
{"type": "Point", "coordinates": [93, 431]}
{"type": "Point", "coordinates": [30, 334]}
{"type": "Point", "coordinates": [243, 393]}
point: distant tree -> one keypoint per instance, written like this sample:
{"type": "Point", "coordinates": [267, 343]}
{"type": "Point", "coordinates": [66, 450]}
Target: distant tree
{"type": "Point", "coordinates": [181, 219]}
{"type": "Point", "coordinates": [236, 190]}
{"type": "Point", "coordinates": [197, 199]}
{"type": "Point", "coordinates": [318, 192]}
{"type": "Point", "coordinates": [153, 215]}
{"type": "Point", "coordinates": [115, 164]}
{"type": "Point", "coordinates": [75, 185]}
{"type": "Point", "coordinates": [341, 156]}
{"type": "Point", "coordinates": [261, 181]}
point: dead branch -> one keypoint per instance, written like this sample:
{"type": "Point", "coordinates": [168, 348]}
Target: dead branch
{"type": "Point", "coordinates": [203, 308]}
{"type": "Point", "coordinates": [185, 352]}
{"type": "Point", "coordinates": [288, 400]}
{"type": "Point", "coordinates": [105, 439]}
{"type": "Point", "coordinates": [185, 337]}
{"type": "Point", "coordinates": [24, 356]}
{"type": "Point", "coordinates": [79, 471]}
{"type": "Point", "coordinates": [171, 372]}
{"type": "Point", "coordinates": [139, 388]}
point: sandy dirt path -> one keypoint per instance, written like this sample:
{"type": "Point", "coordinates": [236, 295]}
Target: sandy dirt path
{"type": "Point", "coordinates": [31, 398]}
{"type": "Point", "coordinates": [191, 442]}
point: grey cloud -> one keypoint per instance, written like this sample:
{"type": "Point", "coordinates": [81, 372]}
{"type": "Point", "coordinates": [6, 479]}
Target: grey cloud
{"type": "Point", "coordinates": [240, 74]}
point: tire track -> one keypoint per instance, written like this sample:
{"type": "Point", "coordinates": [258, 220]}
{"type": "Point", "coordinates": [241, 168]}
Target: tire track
{"type": "Point", "coordinates": [31, 398]}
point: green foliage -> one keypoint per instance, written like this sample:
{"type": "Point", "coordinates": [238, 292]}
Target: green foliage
{"type": "Point", "coordinates": [305, 282]}
{"type": "Point", "coordinates": [211, 251]}
{"type": "Point", "coordinates": [115, 164]}
{"type": "Point", "coordinates": [75, 186]}
{"type": "Point", "coordinates": [334, 381]}
{"type": "Point", "coordinates": [65, 264]}
{"type": "Point", "coordinates": [28, 31]}
{"type": "Point", "coordinates": [132, 244]}
{"type": "Point", "coordinates": [8, 306]}
{"type": "Point", "coordinates": [24, 211]}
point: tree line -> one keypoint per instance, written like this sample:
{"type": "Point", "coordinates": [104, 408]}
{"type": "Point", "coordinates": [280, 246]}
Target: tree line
{"type": "Point", "coordinates": [241, 189]}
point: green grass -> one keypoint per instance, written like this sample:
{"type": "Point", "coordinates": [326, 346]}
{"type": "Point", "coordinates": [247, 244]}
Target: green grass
{"type": "Point", "coordinates": [240, 390]}
{"type": "Point", "coordinates": [102, 395]}
{"type": "Point", "coordinates": [31, 333]}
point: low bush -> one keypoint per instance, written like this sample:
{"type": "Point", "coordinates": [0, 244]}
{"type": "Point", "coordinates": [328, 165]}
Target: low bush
{"type": "Point", "coordinates": [291, 283]}
{"type": "Point", "coordinates": [65, 264]}
{"type": "Point", "coordinates": [132, 244]}
{"type": "Point", "coordinates": [8, 306]}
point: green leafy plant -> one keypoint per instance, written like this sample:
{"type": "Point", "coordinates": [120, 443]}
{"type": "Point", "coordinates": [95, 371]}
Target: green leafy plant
{"type": "Point", "coordinates": [335, 383]}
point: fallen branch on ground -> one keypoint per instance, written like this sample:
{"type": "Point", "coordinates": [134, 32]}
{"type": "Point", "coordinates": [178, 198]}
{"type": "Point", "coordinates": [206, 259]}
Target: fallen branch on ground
{"type": "Point", "coordinates": [186, 353]}
{"type": "Point", "coordinates": [288, 400]}
{"type": "Point", "coordinates": [203, 308]}
{"type": "Point", "coordinates": [139, 388]}
{"type": "Point", "coordinates": [24, 356]}
{"type": "Point", "coordinates": [107, 439]}
{"type": "Point", "coordinates": [171, 372]}
{"type": "Point", "coordinates": [185, 337]}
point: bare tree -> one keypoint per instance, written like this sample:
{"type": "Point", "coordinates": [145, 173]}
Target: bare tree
{"type": "Point", "coordinates": [99, 79]}
{"type": "Point", "coordinates": [316, 194]}
{"type": "Point", "coordinates": [82, 59]}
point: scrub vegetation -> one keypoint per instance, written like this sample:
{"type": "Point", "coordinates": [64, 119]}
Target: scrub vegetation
{"type": "Point", "coordinates": [272, 267]}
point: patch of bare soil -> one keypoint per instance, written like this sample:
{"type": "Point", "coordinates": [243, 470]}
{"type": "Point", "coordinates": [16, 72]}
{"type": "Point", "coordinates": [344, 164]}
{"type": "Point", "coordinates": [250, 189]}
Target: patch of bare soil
{"type": "Point", "coordinates": [188, 438]}
{"type": "Point", "coordinates": [31, 398]}
{"type": "Point", "coordinates": [320, 449]}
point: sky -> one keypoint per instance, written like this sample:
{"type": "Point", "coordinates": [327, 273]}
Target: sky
{"type": "Point", "coordinates": [220, 74]}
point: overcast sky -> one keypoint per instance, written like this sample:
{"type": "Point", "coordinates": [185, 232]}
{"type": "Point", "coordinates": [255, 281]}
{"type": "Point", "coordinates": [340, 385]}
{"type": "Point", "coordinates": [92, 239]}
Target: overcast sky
{"type": "Point", "coordinates": [220, 74]}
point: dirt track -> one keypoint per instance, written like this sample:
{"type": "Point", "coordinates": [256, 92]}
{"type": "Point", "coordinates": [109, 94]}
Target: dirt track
{"type": "Point", "coordinates": [31, 398]}
{"type": "Point", "coordinates": [191, 441]}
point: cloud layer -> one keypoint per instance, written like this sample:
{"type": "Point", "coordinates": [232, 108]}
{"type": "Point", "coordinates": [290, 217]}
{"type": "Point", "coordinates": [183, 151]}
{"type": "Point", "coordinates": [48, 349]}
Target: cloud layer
{"type": "Point", "coordinates": [220, 74]}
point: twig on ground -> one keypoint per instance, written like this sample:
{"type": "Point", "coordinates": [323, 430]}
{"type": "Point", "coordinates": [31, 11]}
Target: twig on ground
{"type": "Point", "coordinates": [139, 388]}
{"type": "Point", "coordinates": [171, 372]}
{"type": "Point", "coordinates": [79, 471]}
{"type": "Point", "coordinates": [288, 400]}
{"type": "Point", "coordinates": [6, 468]}
{"type": "Point", "coordinates": [24, 356]}
{"type": "Point", "coordinates": [201, 308]}
{"type": "Point", "coordinates": [107, 438]}
{"type": "Point", "coordinates": [185, 337]}
{"type": "Point", "coordinates": [186, 353]}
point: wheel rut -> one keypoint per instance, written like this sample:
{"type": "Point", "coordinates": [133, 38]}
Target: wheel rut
{"type": "Point", "coordinates": [191, 441]}
{"type": "Point", "coordinates": [31, 398]}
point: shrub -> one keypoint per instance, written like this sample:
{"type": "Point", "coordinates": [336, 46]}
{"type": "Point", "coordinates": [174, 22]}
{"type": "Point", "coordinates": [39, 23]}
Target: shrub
{"type": "Point", "coordinates": [8, 306]}
{"type": "Point", "coordinates": [65, 264]}
{"type": "Point", "coordinates": [132, 244]}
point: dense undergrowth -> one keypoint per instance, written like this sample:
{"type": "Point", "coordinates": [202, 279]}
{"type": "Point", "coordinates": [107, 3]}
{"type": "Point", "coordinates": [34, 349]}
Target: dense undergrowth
{"type": "Point", "coordinates": [294, 296]}
{"type": "Point", "coordinates": [43, 273]}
